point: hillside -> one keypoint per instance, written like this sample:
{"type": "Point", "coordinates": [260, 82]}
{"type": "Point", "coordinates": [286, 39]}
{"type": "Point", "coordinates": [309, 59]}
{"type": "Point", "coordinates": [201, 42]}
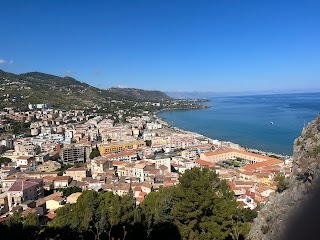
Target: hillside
{"type": "Point", "coordinates": [17, 90]}
{"type": "Point", "coordinates": [133, 93]}
{"type": "Point", "coordinates": [292, 214]}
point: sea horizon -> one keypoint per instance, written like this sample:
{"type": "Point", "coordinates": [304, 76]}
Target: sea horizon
{"type": "Point", "coordinates": [267, 122]}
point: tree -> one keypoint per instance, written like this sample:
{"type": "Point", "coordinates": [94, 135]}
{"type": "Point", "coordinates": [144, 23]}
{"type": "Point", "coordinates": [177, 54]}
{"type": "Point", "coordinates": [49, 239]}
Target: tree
{"type": "Point", "coordinates": [68, 191]}
{"type": "Point", "coordinates": [95, 153]}
{"type": "Point", "coordinates": [95, 216]}
{"type": "Point", "coordinates": [18, 226]}
{"type": "Point", "coordinates": [148, 143]}
{"type": "Point", "coordinates": [203, 206]}
{"type": "Point", "coordinates": [4, 160]}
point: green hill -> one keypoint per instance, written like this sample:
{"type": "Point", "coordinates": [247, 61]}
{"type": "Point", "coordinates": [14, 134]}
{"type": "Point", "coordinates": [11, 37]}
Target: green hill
{"type": "Point", "coordinates": [18, 90]}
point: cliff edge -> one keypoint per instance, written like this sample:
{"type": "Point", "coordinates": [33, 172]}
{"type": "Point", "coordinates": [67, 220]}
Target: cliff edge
{"type": "Point", "coordinates": [293, 213]}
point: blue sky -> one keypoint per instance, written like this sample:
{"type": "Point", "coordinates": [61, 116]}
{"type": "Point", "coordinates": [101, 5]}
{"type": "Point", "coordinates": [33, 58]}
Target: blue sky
{"type": "Point", "coordinates": [168, 45]}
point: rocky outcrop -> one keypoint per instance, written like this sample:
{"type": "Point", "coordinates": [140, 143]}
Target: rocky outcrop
{"type": "Point", "coordinates": [286, 212]}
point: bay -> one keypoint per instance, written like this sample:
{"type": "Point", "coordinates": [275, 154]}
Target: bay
{"type": "Point", "coordinates": [265, 122]}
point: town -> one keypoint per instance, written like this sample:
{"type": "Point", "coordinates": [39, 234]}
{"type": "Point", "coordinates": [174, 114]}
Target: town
{"type": "Point", "coordinates": [67, 151]}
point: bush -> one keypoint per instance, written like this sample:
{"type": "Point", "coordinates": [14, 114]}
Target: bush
{"type": "Point", "coordinates": [283, 183]}
{"type": "Point", "coordinates": [265, 229]}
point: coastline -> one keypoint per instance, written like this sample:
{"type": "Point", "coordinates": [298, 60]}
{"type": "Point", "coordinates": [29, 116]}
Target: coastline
{"type": "Point", "coordinates": [180, 130]}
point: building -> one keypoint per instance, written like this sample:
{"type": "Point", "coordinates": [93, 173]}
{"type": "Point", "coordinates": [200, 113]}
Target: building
{"type": "Point", "coordinates": [55, 203]}
{"type": "Point", "coordinates": [25, 190]}
{"type": "Point", "coordinates": [73, 197]}
{"type": "Point", "coordinates": [61, 182]}
{"type": "Point", "coordinates": [99, 165]}
{"type": "Point", "coordinates": [73, 153]}
{"type": "Point", "coordinates": [223, 155]}
{"type": "Point", "coordinates": [120, 146]}
{"type": "Point", "coordinates": [48, 166]}
{"type": "Point", "coordinates": [76, 173]}
{"type": "Point", "coordinates": [39, 106]}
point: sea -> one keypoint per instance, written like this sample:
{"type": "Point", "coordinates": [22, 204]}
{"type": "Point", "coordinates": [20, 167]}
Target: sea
{"type": "Point", "coordinates": [265, 122]}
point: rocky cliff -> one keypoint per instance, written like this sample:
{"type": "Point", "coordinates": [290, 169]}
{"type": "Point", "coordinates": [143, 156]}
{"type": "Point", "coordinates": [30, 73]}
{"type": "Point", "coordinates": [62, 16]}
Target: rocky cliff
{"type": "Point", "coordinates": [293, 213]}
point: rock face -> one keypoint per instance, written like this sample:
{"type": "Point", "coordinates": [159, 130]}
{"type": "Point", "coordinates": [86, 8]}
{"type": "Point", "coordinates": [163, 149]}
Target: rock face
{"type": "Point", "coordinates": [286, 212]}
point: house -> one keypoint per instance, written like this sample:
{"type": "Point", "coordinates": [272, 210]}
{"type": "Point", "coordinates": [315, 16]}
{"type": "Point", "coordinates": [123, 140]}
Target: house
{"type": "Point", "coordinates": [204, 164]}
{"type": "Point", "coordinates": [138, 171]}
{"type": "Point", "coordinates": [55, 203]}
{"type": "Point", "coordinates": [99, 165]}
{"type": "Point", "coordinates": [24, 190]}
{"type": "Point", "coordinates": [25, 160]}
{"type": "Point", "coordinates": [73, 197]}
{"type": "Point", "coordinates": [7, 171]}
{"type": "Point", "coordinates": [61, 182]}
{"type": "Point", "coordinates": [76, 173]}
{"type": "Point", "coordinates": [48, 166]}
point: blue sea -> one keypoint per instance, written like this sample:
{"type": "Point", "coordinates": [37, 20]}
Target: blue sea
{"type": "Point", "coordinates": [247, 120]}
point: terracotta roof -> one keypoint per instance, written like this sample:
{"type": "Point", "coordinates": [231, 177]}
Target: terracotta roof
{"type": "Point", "coordinates": [154, 171]}
{"type": "Point", "coordinates": [51, 215]}
{"type": "Point", "coordinates": [23, 158]}
{"type": "Point", "coordinates": [62, 178]}
{"type": "Point", "coordinates": [252, 167]}
{"type": "Point", "coordinates": [119, 163]}
{"type": "Point", "coordinates": [205, 163]}
{"type": "Point", "coordinates": [41, 201]}
{"type": "Point", "coordinates": [19, 185]}
{"type": "Point", "coordinates": [57, 198]}
{"type": "Point", "coordinates": [76, 169]}
{"type": "Point", "coordinates": [139, 166]}
{"type": "Point", "coordinates": [168, 184]}
{"type": "Point", "coordinates": [232, 186]}
{"type": "Point", "coordinates": [142, 194]}
{"type": "Point", "coordinates": [49, 178]}
{"type": "Point", "coordinates": [163, 167]}
{"type": "Point", "coordinates": [232, 150]}
{"type": "Point", "coordinates": [140, 199]}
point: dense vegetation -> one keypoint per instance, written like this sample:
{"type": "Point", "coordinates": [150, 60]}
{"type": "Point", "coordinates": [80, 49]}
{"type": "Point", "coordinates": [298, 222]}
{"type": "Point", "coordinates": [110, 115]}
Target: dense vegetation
{"type": "Point", "coordinates": [17, 90]}
{"type": "Point", "coordinates": [201, 206]}
{"type": "Point", "coordinates": [69, 190]}
{"type": "Point", "coordinates": [4, 160]}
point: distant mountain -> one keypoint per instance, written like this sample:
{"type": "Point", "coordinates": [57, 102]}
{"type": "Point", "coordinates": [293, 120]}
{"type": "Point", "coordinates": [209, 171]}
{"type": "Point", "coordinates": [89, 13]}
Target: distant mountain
{"type": "Point", "coordinates": [17, 90]}
{"type": "Point", "coordinates": [133, 93]}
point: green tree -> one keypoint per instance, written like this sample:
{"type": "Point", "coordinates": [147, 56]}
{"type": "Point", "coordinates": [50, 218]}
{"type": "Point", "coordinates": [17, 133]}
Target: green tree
{"type": "Point", "coordinates": [68, 191]}
{"type": "Point", "coordinates": [94, 153]}
{"type": "Point", "coordinates": [148, 209]}
{"type": "Point", "coordinates": [18, 226]}
{"type": "Point", "coordinates": [282, 183]}
{"type": "Point", "coordinates": [204, 206]}
{"type": "Point", "coordinates": [95, 216]}
{"type": "Point", "coordinates": [4, 160]}
{"type": "Point", "coordinates": [148, 143]}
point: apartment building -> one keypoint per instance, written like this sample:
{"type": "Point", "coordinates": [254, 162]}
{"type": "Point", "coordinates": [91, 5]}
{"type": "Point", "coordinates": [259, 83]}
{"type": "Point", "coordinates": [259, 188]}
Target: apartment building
{"type": "Point", "coordinates": [73, 153]}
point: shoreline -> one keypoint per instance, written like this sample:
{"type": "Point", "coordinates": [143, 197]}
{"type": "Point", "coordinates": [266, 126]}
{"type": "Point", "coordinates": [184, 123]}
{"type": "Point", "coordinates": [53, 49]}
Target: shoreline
{"type": "Point", "coordinates": [179, 130]}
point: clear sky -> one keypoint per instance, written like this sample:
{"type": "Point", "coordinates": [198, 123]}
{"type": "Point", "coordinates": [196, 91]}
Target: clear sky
{"type": "Point", "coordinates": [168, 45]}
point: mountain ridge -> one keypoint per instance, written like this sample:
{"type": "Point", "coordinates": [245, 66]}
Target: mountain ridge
{"type": "Point", "coordinates": [18, 90]}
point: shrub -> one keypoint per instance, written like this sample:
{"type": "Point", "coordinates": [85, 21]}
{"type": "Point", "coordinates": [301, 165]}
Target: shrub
{"type": "Point", "coordinates": [265, 229]}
